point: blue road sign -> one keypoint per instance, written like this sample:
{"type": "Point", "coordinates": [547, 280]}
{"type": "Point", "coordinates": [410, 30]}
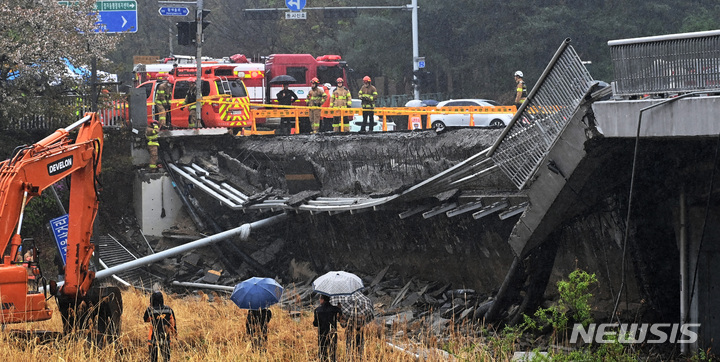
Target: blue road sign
{"type": "Point", "coordinates": [117, 16]}
{"type": "Point", "coordinates": [59, 226]}
{"type": "Point", "coordinates": [421, 64]}
{"type": "Point", "coordinates": [295, 5]}
{"type": "Point", "coordinates": [173, 11]}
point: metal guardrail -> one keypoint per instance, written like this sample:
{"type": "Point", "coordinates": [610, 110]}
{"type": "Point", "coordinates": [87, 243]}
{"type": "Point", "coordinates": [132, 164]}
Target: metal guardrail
{"type": "Point", "coordinates": [673, 63]}
{"type": "Point", "coordinates": [112, 114]}
{"type": "Point", "coordinates": [538, 123]}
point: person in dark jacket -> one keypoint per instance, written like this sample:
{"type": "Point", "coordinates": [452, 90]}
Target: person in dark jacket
{"type": "Point", "coordinates": [256, 326]}
{"type": "Point", "coordinates": [286, 97]}
{"type": "Point", "coordinates": [326, 318]}
{"type": "Point", "coordinates": [162, 327]}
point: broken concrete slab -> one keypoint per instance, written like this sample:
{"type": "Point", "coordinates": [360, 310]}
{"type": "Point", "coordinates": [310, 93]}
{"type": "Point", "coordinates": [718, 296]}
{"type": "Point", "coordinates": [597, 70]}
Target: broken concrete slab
{"type": "Point", "coordinates": [212, 276]}
{"type": "Point", "coordinates": [402, 317]}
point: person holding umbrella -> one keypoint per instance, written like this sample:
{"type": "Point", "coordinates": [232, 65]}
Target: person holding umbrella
{"type": "Point", "coordinates": [325, 319]}
{"type": "Point", "coordinates": [256, 295]}
{"type": "Point", "coordinates": [285, 97]}
{"type": "Point", "coordinates": [256, 326]}
{"type": "Point", "coordinates": [357, 311]}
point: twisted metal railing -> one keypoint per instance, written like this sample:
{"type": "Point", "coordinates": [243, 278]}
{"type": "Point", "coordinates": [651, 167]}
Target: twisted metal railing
{"type": "Point", "coordinates": [672, 63]}
{"type": "Point", "coordinates": [538, 123]}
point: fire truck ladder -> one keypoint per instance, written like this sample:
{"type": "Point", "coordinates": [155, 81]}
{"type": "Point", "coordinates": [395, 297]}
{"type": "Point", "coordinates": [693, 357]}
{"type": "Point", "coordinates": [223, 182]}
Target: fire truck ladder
{"type": "Point", "coordinates": [225, 85]}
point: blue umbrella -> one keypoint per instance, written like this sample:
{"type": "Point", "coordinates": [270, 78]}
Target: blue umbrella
{"type": "Point", "coordinates": [256, 293]}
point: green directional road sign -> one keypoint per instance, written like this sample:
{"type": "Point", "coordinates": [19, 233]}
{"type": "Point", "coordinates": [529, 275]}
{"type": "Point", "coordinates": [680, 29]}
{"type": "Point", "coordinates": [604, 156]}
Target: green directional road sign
{"type": "Point", "coordinates": [116, 16]}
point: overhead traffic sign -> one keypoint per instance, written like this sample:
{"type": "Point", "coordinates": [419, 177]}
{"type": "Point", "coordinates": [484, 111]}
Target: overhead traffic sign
{"type": "Point", "coordinates": [171, 11]}
{"type": "Point", "coordinates": [117, 16]}
{"type": "Point", "coordinates": [294, 5]}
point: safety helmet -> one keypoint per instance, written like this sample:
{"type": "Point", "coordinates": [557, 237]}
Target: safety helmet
{"type": "Point", "coordinates": [327, 85]}
{"type": "Point", "coordinates": [315, 81]}
{"type": "Point", "coordinates": [518, 74]}
{"type": "Point", "coordinates": [366, 78]}
{"type": "Point", "coordinates": [339, 80]}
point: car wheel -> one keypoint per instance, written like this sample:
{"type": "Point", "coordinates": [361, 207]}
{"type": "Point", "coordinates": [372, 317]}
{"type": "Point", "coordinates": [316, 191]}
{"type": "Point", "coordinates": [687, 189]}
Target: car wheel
{"type": "Point", "coordinates": [438, 126]}
{"type": "Point", "coordinates": [497, 123]}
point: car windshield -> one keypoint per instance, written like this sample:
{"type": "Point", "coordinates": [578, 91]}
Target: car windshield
{"type": "Point", "coordinates": [236, 88]}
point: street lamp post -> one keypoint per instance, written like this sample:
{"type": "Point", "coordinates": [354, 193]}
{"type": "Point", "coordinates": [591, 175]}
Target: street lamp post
{"type": "Point", "coordinates": [416, 51]}
{"type": "Point", "coordinates": [198, 62]}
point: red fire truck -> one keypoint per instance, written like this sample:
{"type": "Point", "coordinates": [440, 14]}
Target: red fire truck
{"type": "Point", "coordinates": [225, 99]}
{"type": "Point", "coordinates": [303, 67]}
{"type": "Point", "coordinates": [257, 76]}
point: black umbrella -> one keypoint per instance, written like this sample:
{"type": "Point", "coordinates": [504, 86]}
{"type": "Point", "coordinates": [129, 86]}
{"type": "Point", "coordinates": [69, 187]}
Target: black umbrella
{"type": "Point", "coordinates": [283, 79]}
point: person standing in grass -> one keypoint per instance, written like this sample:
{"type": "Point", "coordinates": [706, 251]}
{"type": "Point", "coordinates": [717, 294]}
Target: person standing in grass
{"type": "Point", "coordinates": [256, 326]}
{"type": "Point", "coordinates": [326, 318]}
{"type": "Point", "coordinates": [162, 327]}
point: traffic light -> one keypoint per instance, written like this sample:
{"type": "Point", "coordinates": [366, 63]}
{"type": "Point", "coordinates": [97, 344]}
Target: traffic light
{"type": "Point", "coordinates": [193, 27]}
{"type": "Point", "coordinates": [185, 32]}
{"type": "Point", "coordinates": [205, 24]}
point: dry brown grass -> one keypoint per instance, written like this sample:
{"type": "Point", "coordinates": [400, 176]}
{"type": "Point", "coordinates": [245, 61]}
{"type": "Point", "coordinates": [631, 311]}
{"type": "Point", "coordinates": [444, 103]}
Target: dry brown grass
{"type": "Point", "coordinates": [207, 331]}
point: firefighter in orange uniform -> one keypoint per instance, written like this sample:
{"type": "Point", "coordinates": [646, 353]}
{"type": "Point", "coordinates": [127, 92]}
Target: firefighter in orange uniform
{"type": "Point", "coordinates": [368, 94]}
{"type": "Point", "coordinates": [162, 327]}
{"type": "Point", "coordinates": [341, 98]}
{"type": "Point", "coordinates": [326, 122]}
{"type": "Point", "coordinates": [151, 133]}
{"type": "Point", "coordinates": [162, 101]}
{"type": "Point", "coordinates": [315, 98]}
{"type": "Point", "coordinates": [190, 99]}
{"type": "Point", "coordinates": [520, 89]}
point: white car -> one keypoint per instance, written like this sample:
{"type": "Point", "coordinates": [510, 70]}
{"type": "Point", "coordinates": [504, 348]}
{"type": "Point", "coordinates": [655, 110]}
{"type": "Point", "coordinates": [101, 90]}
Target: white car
{"type": "Point", "coordinates": [356, 122]}
{"type": "Point", "coordinates": [495, 120]}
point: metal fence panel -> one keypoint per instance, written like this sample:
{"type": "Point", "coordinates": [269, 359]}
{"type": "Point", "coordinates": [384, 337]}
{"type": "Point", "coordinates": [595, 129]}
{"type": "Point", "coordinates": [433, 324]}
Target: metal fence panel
{"type": "Point", "coordinates": [666, 64]}
{"type": "Point", "coordinates": [547, 110]}
{"type": "Point", "coordinates": [112, 114]}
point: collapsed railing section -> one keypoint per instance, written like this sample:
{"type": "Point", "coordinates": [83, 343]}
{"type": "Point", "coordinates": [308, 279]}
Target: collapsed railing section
{"type": "Point", "coordinates": [540, 120]}
{"type": "Point", "coordinates": [672, 63]}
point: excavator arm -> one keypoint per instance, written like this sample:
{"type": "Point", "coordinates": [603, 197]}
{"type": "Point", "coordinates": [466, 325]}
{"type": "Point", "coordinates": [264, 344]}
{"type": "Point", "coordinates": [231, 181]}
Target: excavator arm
{"type": "Point", "coordinates": [29, 171]}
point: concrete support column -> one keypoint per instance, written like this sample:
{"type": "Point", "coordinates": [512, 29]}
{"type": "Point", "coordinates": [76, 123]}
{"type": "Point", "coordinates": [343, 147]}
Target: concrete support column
{"type": "Point", "coordinates": [683, 265]}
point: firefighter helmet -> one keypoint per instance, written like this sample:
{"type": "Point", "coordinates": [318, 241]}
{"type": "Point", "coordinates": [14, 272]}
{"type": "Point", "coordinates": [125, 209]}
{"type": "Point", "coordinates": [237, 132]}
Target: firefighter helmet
{"type": "Point", "coordinates": [518, 74]}
{"type": "Point", "coordinates": [339, 80]}
{"type": "Point", "coordinates": [366, 78]}
{"type": "Point", "coordinates": [315, 81]}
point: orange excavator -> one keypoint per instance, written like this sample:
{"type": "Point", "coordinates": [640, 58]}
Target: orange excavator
{"type": "Point", "coordinates": [29, 171]}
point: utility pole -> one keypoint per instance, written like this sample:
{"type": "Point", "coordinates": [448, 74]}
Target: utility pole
{"type": "Point", "coordinates": [199, 15]}
{"type": "Point", "coordinates": [198, 62]}
{"type": "Point", "coordinates": [416, 51]}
